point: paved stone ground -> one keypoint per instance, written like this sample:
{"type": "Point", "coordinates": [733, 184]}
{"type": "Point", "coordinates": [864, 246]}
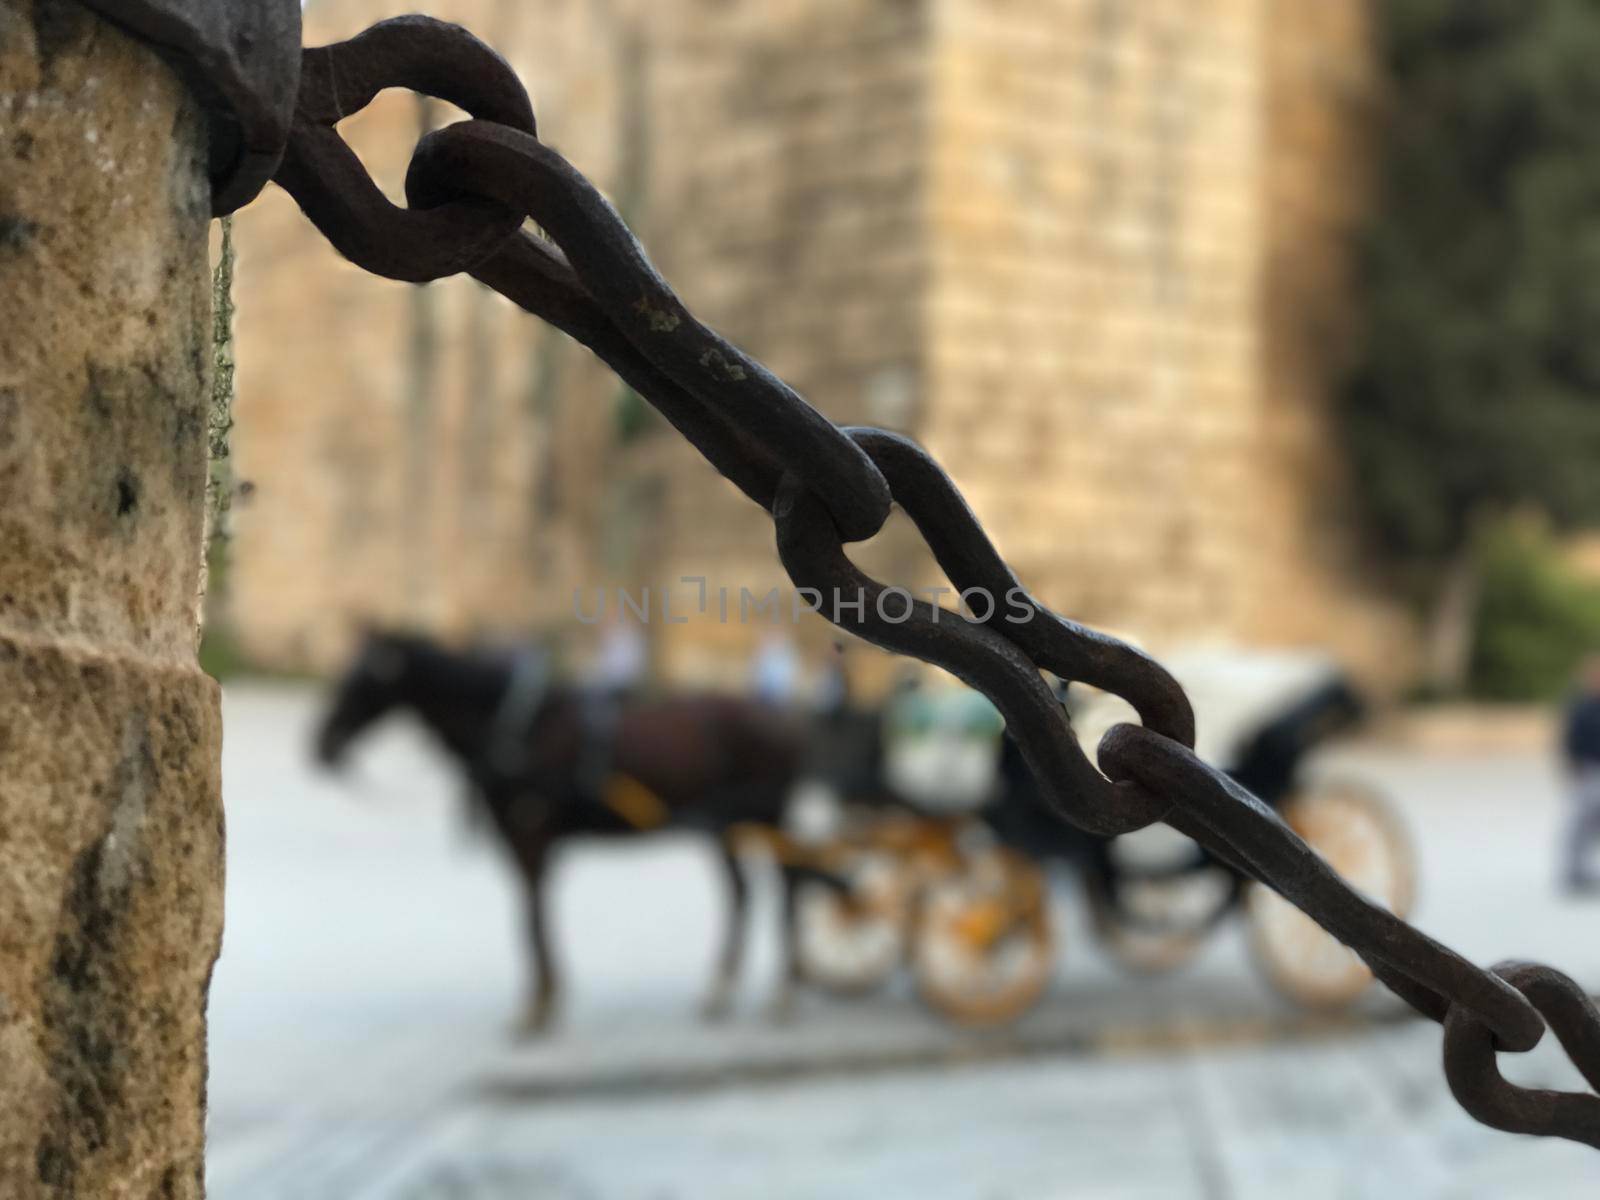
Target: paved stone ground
{"type": "Point", "coordinates": [371, 963]}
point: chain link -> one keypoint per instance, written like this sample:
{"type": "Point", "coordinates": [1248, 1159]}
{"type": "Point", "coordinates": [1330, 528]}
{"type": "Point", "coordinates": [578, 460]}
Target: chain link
{"type": "Point", "coordinates": [328, 181]}
{"type": "Point", "coordinates": [1474, 1075]}
{"type": "Point", "coordinates": [470, 187]}
{"type": "Point", "coordinates": [754, 419]}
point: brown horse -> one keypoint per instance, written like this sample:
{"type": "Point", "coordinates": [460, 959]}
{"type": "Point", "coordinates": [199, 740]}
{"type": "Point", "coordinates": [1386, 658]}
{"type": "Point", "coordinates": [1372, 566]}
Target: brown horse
{"type": "Point", "coordinates": [550, 762]}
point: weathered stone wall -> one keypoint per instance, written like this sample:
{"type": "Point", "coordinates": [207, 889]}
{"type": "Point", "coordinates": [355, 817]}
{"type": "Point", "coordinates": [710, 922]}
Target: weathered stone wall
{"type": "Point", "coordinates": [431, 456]}
{"type": "Point", "coordinates": [770, 156]}
{"type": "Point", "coordinates": [1311, 581]}
{"type": "Point", "coordinates": [1094, 336]}
{"type": "Point", "coordinates": [110, 806]}
{"type": "Point", "coordinates": [1141, 217]}
{"type": "Point", "coordinates": [787, 169]}
{"type": "Point", "coordinates": [1093, 252]}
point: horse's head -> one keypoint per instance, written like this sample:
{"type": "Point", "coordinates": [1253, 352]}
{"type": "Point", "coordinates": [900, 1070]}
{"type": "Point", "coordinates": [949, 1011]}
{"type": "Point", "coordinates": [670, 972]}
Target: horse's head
{"type": "Point", "coordinates": [371, 687]}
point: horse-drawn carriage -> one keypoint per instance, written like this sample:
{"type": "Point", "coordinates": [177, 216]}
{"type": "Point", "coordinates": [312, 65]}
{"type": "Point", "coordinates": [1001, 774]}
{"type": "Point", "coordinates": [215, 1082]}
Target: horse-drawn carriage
{"type": "Point", "coordinates": [963, 898]}
{"type": "Point", "coordinates": [946, 870]}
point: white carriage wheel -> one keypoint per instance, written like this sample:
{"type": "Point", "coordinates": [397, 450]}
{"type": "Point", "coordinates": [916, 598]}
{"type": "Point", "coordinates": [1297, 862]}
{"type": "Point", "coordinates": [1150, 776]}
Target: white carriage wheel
{"type": "Point", "coordinates": [1359, 834]}
{"type": "Point", "coordinates": [1188, 905]}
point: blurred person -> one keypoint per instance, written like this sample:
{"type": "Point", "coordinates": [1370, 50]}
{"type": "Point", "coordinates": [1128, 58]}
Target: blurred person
{"type": "Point", "coordinates": [775, 671]}
{"type": "Point", "coordinates": [619, 667]}
{"type": "Point", "coordinates": [1581, 749]}
{"type": "Point", "coordinates": [833, 691]}
{"type": "Point", "coordinates": [618, 670]}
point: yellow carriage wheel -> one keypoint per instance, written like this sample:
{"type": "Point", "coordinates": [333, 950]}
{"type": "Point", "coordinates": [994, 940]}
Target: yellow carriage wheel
{"type": "Point", "coordinates": [850, 941]}
{"type": "Point", "coordinates": [984, 948]}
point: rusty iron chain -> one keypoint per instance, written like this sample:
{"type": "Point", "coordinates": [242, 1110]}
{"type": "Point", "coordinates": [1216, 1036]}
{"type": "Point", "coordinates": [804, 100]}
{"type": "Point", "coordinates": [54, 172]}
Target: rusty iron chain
{"type": "Point", "coordinates": [471, 187]}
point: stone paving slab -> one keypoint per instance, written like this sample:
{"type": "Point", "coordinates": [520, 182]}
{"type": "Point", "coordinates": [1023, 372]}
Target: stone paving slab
{"type": "Point", "coordinates": [370, 964]}
{"type": "Point", "coordinates": [1341, 1120]}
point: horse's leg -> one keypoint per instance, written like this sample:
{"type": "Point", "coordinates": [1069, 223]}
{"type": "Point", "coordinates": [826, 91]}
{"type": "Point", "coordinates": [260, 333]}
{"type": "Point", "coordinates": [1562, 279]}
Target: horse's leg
{"type": "Point", "coordinates": [545, 988]}
{"type": "Point", "coordinates": [720, 999]}
{"type": "Point", "coordinates": [783, 1002]}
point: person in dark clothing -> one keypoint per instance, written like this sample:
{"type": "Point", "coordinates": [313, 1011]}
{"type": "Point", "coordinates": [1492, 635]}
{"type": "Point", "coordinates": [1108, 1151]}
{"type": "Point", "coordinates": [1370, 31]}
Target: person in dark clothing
{"type": "Point", "coordinates": [1581, 750]}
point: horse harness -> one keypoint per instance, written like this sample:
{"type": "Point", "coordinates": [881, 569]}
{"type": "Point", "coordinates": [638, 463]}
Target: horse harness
{"type": "Point", "coordinates": [620, 794]}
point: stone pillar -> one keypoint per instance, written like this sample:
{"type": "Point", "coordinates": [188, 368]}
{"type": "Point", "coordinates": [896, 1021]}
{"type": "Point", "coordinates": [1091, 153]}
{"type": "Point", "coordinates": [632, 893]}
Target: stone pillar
{"type": "Point", "coordinates": [110, 799]}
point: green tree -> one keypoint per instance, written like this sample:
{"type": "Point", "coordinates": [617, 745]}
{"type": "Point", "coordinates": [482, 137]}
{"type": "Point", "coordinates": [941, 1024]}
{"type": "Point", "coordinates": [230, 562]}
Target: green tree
{"type": "Point", "coordinates": [1480, 387]}
{"type": "Point", "coordinates": [1536, 617]}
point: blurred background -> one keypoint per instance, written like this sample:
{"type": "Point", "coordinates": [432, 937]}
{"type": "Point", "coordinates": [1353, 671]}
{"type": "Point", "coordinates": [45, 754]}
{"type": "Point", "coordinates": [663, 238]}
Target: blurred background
{"type": "Point", "coordinates": [1255, 331]}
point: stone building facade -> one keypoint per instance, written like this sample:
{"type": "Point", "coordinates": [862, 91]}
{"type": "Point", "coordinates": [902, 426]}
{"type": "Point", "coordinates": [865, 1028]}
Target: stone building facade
{"type": "Point", "coordinates": [1093, 253]}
